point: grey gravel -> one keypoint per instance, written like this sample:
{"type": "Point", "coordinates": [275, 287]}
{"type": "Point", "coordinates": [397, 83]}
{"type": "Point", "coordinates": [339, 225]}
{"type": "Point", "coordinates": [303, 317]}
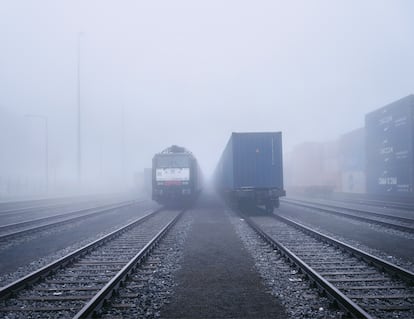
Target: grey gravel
{"type": "Point", "coordinates": [283, 280]}
{"type": "Point", "coordinates": [122, 248]}
{"type": "Point", "coordinates": [401, 262]}
{"type": "Point", "coordinates": [314, 252]}
{"type": "Point", "coordinates": [8, 278]}
{"type": "Point", "coordinates": [12, 217]}
{"type": "Point", "coordinates": [153, 284]}
{"type": "Point", "coordinates": [373, 226]}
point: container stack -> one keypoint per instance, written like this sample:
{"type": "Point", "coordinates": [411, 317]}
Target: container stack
{"type": "Point", "coordinates": [389, 149]}
{"type": "Point", "coordinates": [352, 161]}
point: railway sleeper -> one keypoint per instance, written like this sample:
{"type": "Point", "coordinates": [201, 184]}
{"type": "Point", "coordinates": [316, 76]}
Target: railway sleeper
{"type": "Point", "coordinates": [393, 296]}
{"type": "Point", "coordinates": [373, 279]}
{"type": "Point", "coordinates": [371, 287]}
{"type": "Point", "coordinates": [56, 298]}
{"type": "Point", "coordinates": [67, 282]}
{"type": "Point", "coordinates": [35, 309]}
{"type": "Point", "coordinates": [66, 289]}
{"type": "Point", "coordinates": [353, 273]}
{"type": "Point", "coordinates": [339, 267]}
{"type": "Point", "coordinates": [391, 308]}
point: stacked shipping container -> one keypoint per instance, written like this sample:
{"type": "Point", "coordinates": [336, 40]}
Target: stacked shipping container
{"type": "Point", "coordinates": [377, 159]}
{"type": "Point", "coordinates": [313, 167]}
{"type": "Point", "coordinates": [352, 161]}
{"type": "Point", "coordinates": [303, 165]}
{"type": "Point", "coordinates": [389, 148]}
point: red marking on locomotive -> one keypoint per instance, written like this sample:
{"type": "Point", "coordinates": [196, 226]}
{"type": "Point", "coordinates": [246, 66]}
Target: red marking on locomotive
{"type": "Point", "coordinates": [170, 183]}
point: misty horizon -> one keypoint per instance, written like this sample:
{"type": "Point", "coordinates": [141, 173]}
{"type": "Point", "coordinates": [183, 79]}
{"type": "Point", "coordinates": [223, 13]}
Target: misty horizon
{"type": "Point", "coordinates": [157, 74]}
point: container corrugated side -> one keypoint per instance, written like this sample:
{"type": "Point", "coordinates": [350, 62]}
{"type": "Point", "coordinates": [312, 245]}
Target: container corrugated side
{"type": "Point", "coordinates": [257, 159]}
{"type": "Point", "coordinates": [352, 150]}
{"type": "Point", "coordinates": [224, 170]}
{"type": "Point", "coordinates": [389, 144]}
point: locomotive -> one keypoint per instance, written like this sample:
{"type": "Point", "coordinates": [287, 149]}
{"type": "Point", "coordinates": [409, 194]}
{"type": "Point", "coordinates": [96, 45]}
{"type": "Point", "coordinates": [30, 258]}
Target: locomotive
{"type": "Point", "coordinates": [176, 177]}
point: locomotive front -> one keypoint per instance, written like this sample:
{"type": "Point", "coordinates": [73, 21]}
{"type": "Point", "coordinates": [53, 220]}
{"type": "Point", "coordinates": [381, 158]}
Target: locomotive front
{"type": "Point", "coordinates": [173, 176]}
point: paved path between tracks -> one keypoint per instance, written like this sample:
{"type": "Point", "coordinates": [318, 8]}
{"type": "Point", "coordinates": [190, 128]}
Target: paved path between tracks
{"type": "Point", "coordinates": [218, 278]}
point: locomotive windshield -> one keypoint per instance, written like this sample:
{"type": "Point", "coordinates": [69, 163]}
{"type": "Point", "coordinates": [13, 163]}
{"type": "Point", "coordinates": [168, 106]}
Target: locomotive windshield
{"type": "Point", "coordinates": [168, 161]}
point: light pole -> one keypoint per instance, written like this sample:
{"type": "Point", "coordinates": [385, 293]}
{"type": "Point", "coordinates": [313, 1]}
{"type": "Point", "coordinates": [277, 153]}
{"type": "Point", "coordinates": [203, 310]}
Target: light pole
{"type": "Point", "coordinates": [79, 110]}
{"type": "Point", "coordinates": [123, 145]}
{"type": "Point", "coordinates": [100, 160]}
{"type": "Point", "coordinates": [44, 118]}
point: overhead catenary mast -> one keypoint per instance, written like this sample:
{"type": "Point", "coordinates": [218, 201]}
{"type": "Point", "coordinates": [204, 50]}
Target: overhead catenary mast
{"type": "Point", "coordinates": [79, 155]}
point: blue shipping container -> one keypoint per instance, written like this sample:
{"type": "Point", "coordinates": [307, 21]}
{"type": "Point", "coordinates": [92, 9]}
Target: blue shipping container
{"type": "Point", "coordinates": [390, 145]}
{"type": "Point", "coordinates": [251, 167]}
{"type": "Point", "coordinates": [352, 151]}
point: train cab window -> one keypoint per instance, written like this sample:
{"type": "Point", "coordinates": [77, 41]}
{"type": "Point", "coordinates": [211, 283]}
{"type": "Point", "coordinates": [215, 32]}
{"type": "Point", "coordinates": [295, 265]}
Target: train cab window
{"type": "Point", "coordinates": [173, 161]}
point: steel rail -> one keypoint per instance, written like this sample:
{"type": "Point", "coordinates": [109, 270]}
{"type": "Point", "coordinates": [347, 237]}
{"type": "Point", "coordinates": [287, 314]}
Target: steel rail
{"type": "Point", "coordinates": [57, 216]}
{"type": "Point", "coordinates": [335, 294]}
{"type": "Point", "coordinates": [6, 207]}
{"type": "Point", "coordinates": [96, 211]}
{"type": "Point", "coordinates": [41, 204]}
{"type": "Point", "coordinates": [351, 209]}
{"type": "Point", "coordinates": [91, 309]}
{"type": "Point", "coordinates": [342, 301]}
{"type": "Point", "coordinates": [35, 276]}
{"type": "Point", "coordinates": [46, 204]}
{"type": "Point", "coordinates": [360, 218]}
{"type": "Point", "coordinates": [24, 210]}
{"type": "Point", "coordinates": [400, 272]}
{"type": "Point", "coordinates": [379, 203]}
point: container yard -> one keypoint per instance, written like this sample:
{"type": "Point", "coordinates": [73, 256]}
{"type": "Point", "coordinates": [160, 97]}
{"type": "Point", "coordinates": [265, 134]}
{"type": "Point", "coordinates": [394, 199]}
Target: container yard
{"type": "Point", "coordinates": [352, 161]}
{"type": "Point", "coordinates": [207, 159]}
{"type": "Point", "coordinates": [375, 160]}
{"type": "Point", "coordinates": [389, 149]}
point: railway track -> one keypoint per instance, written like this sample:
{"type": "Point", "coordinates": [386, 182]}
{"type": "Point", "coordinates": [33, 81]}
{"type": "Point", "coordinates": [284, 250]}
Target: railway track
{"type": "Point", "coordinates": [379, 203]}
{"type": "Point", "coordinates": [357, 206]}
{"type": "Point", "coordinates": [44, 207]}
{"type": "Point", "coordinates": [24, 210]}
{"type": "Point", "coordinates": [405, 224]}
{"type": "Point", "coordinates": [362, 285]}
{"type": "Point", "coordinates": [51, 212]}
{"type": "Point", "coordinates": [9, 206]}
{"type": "Point", "coordinates": [77, 285]}
{"type": "Point", "coordinates": [35, 225]}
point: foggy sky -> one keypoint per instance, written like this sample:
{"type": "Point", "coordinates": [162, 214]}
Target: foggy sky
{"type": "Point", "coordinates": [190, 73]}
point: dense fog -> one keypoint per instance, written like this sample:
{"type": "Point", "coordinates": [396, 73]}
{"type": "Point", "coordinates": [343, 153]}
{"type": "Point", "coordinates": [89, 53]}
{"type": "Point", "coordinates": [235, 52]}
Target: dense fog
{"type": "Point", "coordinates": [151, 74]}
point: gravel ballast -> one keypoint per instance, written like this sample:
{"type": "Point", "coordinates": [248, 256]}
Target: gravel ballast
{"type": "Point", "coordinates": [387, 244]}
{"type": "Point", "coordinates": [281, 279]}
{"type": "Point", "coordinates": [153, 284]}
{"type": "Point", "coordinates": [218, 278]}
{"type": "Point", "coordinates": [29, 254]}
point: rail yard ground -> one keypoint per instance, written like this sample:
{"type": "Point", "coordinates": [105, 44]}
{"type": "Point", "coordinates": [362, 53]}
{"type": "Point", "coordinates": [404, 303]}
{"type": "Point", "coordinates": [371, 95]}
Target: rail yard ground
{"type": "Point", "coordinates": [391, 244]}
{"type": "Point", "coordinates": [212, 264]}
{"type": "Point", "coordinates": [218, 278]}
